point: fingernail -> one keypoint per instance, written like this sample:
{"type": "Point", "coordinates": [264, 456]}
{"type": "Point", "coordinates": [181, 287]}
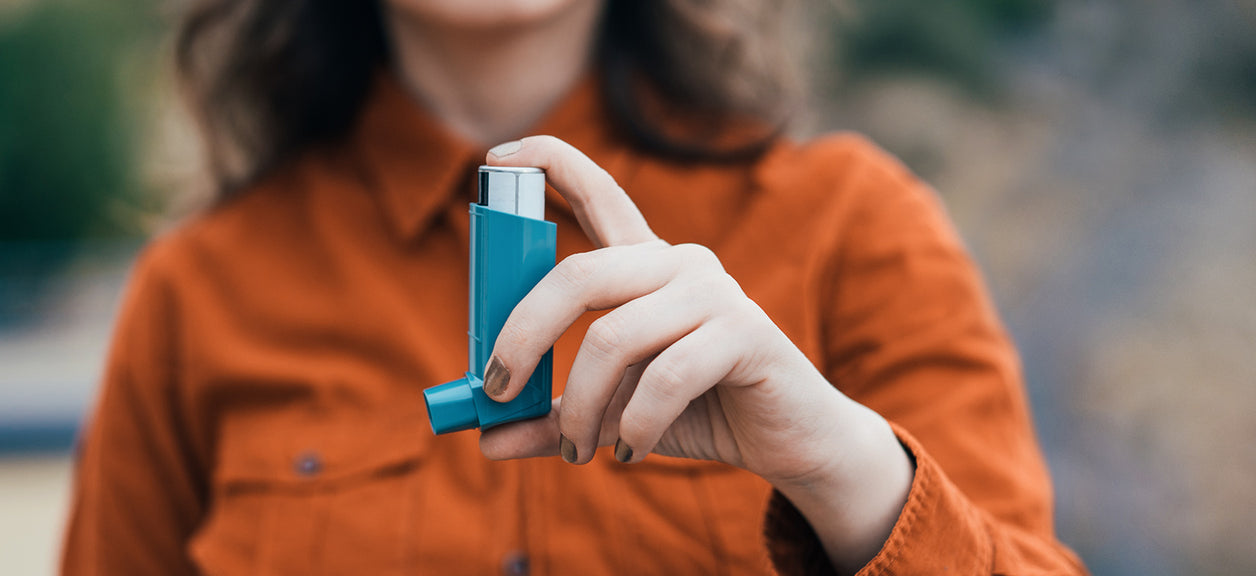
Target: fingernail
{"type": "Point", "coordinates": [623, 452]}
{"type": "Point", "coordinates": [496, 377]}
{"type": "Point", "coordinates": [506, 149]}
{"type": "Point", "coordinates": [567, 449]}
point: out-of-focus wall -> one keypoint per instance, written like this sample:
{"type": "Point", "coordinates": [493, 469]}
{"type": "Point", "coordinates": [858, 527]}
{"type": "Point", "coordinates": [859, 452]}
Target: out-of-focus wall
{"type": "Point", "coordinates": [1101, 162]}
{"type": "Point", "coordinates": [1098, 156]}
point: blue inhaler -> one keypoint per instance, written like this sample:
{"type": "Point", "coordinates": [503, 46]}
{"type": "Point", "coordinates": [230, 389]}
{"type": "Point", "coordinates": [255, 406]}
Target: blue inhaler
{"type": "Point", "coordinates": [512, 248]}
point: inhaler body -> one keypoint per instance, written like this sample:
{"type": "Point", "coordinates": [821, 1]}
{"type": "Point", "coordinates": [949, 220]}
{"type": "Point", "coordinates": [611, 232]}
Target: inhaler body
{"type": "Point", "coordinates": [512, 248]}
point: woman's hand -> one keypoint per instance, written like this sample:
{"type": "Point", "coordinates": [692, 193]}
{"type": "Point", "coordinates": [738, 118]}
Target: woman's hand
{"type": "Point", "coordinates": [686, 365]}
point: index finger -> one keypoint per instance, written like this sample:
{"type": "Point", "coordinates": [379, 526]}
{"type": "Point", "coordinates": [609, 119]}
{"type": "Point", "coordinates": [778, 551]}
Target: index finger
{"type": "Point", "coordinates": [605, 212]}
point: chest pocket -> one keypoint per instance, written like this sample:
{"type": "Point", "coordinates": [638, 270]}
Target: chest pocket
{"type": "Point", "coordinates": [300, 490]}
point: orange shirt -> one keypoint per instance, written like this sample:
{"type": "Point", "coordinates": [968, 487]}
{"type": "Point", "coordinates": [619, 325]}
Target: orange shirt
{"type": "Point", "coordinates": [262, 407]}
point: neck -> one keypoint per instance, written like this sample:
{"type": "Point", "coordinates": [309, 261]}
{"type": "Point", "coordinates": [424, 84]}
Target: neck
{"type": "Point", "coordinates": [490, 84]}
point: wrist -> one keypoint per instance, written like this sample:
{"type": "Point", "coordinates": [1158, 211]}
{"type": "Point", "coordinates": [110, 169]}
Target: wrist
{"type": "Point", "coordinates": [854, 500]}
{"type": "Point", "coordinates": [849, 444]}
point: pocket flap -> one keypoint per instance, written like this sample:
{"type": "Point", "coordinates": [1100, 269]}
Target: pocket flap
{"type": "Point", "coordinates": [298, 445]}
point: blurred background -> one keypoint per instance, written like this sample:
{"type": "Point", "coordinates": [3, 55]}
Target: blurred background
{"type": "Point", "coordinates": [1099, 157]}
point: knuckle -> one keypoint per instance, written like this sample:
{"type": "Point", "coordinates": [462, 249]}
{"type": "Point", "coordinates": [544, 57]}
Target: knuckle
{"type": "Point", "coordinates": [716, 289]}
{"type": "Point", "coordinates": [699, 257]}
{"type": "Point", "coordinates": [717, 286]}
{"type": "Point", "coordinates": [655, 400]}
{"type": "Point", "coordinates": [513, 332]}
{"type": "Point", "coordinates": [576, 271]}
{"type": "Point", "coordinates": [663, 380]}
{"type": "Point", "coordinates": [743, 315]}
{"type": "Point", "coordinates": [544, 141]}
{"type": "Point", "coordinates": [696, 251]}
{"type": "Point", "coordinates": [728, 286]}
{"type": "Point", "coordinates": [605, 337]}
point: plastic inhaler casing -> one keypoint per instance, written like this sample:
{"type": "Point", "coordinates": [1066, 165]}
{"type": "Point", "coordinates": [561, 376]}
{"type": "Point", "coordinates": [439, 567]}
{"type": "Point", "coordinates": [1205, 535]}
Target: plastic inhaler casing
{"type": "Point", "coordinates": [512, 248]}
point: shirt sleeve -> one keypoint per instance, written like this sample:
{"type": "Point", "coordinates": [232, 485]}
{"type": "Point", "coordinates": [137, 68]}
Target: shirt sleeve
{"type": "Point", "coordinates": [910, 332]}
{"type": "Point", "coordinates": [137, 493]}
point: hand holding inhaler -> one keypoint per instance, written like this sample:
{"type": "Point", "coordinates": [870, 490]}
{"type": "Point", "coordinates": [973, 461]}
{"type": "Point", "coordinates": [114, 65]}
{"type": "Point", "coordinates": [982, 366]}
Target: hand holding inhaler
{"type": "Point", "coordinates": [685, 365]}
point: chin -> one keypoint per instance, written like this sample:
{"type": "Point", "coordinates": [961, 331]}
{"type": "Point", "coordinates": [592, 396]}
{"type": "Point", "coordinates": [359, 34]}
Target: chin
{"type": "Point", "coordinates": [481, 13]}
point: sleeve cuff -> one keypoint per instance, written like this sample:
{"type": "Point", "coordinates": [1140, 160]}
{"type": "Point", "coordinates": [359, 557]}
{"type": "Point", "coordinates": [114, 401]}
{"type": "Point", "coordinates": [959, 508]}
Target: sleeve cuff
{"type": "Point", "coordinates": [938, 530]}
{"type": "Point", "coordinates": [792, 544]}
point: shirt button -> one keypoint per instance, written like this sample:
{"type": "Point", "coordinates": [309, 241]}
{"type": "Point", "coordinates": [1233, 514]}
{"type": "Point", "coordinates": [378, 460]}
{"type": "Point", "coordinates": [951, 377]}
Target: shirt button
{"type": "Point", "coordinates": [515, 564]}
{"type": "Point", "coordinates": [308, 464]}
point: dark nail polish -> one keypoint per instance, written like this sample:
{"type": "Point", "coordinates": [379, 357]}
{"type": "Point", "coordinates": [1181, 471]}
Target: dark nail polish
{"type": "Point", "coordinates": [623, 452]}
{"type": "Point", "coordinates": [567, 449]}
{"type": "Point", "coordinates": [496, 377]}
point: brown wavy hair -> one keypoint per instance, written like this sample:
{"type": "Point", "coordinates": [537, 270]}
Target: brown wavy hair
{"type": "Point", "coordinates": [268, 79]}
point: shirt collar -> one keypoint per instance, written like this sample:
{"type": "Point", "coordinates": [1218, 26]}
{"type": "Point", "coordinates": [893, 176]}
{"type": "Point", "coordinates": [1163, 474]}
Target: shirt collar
{"type": "Point", "coordinates": [417, 167]}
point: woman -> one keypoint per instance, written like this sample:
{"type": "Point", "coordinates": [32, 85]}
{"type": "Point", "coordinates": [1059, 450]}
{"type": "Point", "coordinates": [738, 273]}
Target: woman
{"type": "Point", "coordinates": [801, 315]}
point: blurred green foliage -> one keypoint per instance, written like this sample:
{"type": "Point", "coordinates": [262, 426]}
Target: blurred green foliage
{"type": "Point", "coordinates": [67, 135]}
{"type": "Point", "coordinates": [959, 41]}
